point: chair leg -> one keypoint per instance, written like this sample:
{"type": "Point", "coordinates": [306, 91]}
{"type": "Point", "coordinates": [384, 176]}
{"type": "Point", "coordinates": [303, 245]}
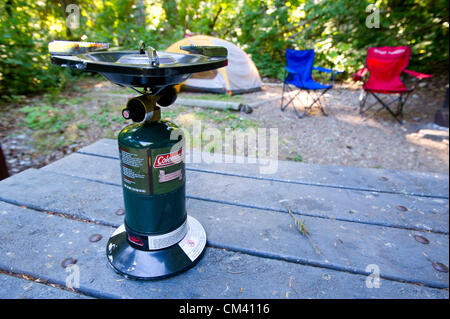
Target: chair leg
{"type": "Point", "coordinates": [319, 103]}
{"type": "Point", "coordinates": [290, 101]}
{"type": "Point", "coordinates": [300, 116]}
{"type": "Point", "coordinates": [307, 109]}
{"type": "Point", "coordinates": [282, 97]}
{"type": "Point", "coordinates": [362, 101]}
{"type": "Point", "coordinates": [387, 108]}
{"type": "Point", "coordinates": [322, 108]}
{"type": "Point", "coordinates": [399, 112]}
{"type": "Point", "coordinates": [373, 114]}
{"type": "Point", "coordinates": [363, 111]}
{"type": "Point", "coordinates": [324, 113]}
{"type": "Point", "coordinates": [286, 90]}
{"type": "Point", "coordinates": [316, 100]}
{"type": "Point", "coordinates": [400, 105]}
{"type": "Point", "coordinates": [402, 100]}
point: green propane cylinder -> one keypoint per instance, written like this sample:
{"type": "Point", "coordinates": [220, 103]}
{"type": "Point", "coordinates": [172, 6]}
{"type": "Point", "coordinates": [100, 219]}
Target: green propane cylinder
{"type": "Point", "coordinates": [153, 177]}
{"type": "Point", "coordinates": [158, 237]}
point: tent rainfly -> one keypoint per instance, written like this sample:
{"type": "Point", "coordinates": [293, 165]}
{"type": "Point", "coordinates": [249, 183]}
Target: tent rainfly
{"type": "Point", "coordinates": [240, 76]}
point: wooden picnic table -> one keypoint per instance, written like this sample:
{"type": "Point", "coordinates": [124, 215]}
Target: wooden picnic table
{"type": "Point", "coordinates": [359, 220]}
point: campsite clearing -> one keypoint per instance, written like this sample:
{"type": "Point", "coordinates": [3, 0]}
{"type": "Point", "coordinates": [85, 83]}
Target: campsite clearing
{"type": "Point", "coordinates": [83, 116]}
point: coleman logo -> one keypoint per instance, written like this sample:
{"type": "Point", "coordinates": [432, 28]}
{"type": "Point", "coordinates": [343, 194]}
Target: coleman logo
{"type": "Point", "coordinates": [164, 160]}
{"type": "Point", "coordinates": [135, 240]}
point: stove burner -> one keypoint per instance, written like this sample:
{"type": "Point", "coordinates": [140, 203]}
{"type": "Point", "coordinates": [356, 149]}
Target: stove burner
{"type": "Point", "coordinates": [143, 59]}
{"type": "Point", "coordinates": [145, 68]}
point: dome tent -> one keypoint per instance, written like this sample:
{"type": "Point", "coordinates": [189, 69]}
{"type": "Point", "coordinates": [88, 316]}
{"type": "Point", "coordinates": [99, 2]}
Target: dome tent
{"type": "Point", "coordinates": [240, 76]}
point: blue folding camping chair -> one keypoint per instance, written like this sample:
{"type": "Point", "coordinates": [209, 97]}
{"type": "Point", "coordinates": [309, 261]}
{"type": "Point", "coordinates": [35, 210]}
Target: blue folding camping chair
{"type": "Point", "coordinates": [298, 73]}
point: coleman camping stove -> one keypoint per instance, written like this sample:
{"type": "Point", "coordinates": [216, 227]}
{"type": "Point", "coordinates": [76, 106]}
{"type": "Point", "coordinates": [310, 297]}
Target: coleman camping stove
{"type": "Point", "coordinates": [158, 238]}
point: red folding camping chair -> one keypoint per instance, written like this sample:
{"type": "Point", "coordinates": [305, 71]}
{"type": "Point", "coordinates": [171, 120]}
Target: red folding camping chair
{"type": "Point", "coordinates": [385, 65]}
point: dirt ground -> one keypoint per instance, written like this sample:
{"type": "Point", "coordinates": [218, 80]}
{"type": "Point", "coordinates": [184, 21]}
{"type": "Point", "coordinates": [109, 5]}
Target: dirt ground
{"type": "Point", "coordinates": [92, 111]}
{"type": "Point", "coordinates": [345, 138]}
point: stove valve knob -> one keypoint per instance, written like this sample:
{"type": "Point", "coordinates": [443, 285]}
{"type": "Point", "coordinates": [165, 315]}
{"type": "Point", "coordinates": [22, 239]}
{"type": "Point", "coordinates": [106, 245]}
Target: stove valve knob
{"type": "Point", "coordinates": [141, 108]}
{"type": "Point", "coordinates": [126, 114]}
{"type": "Point", "coordinates": [135, 113]}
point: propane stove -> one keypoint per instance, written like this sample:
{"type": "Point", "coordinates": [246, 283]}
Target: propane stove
{"type": "Point", "coordinates": [158, 238]}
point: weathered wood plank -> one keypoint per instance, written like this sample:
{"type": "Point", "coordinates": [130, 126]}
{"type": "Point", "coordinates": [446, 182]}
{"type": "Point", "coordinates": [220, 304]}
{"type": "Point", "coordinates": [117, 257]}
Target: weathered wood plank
{"type": "Point", "coordinates": [18, 288]}
{"type": "Point", "coordinates": [49, 239]}
{"type": "Point", "coordinates": [345, 246]}
{"type": "Point", "coordinates": [382, 180]}
{"type": "Point", "coordinates": [343, 204]}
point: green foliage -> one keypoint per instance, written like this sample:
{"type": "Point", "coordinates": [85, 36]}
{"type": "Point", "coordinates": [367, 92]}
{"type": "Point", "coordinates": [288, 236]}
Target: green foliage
{"type": "Point", "coordinates": [226, 118]}
{"type": "Point", "coordinates": [213, 97]}
{"type": "Point", "coordinates": [44, 117]}
{"type": "Point", "coordinates": [24, 63]}
{"type": "Point", "coordinates": [336, 29]}
{"type": "Point", "coordinates": [296, 158]}
{"type": "Point", "coordinates": [339, 33]}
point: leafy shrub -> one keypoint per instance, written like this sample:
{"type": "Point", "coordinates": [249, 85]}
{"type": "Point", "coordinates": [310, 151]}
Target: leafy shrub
{"type": "Point", "coordinates": [336, 29]}
{"type": "Point", "coordinates": [44, 117]}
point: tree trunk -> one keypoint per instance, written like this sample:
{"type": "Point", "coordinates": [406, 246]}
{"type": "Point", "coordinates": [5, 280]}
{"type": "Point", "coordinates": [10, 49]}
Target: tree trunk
{"type": "Point", "coordinates": [3, 168]}
{"type": "Point", "coordinates": [140, 13]}
{"type": "Point", "coordinates": [171, 10]}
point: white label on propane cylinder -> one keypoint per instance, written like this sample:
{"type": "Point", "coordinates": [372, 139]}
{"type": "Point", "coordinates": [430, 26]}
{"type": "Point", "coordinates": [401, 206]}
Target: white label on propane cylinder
{"type": "Point", "coordinates": [169, 239]}
{"type": "Point", "coordinates": [134, 169]}
{"type": "Point", "coordinates": [131, 159]}
{"type": "Point", "coordinates": [195, 240]}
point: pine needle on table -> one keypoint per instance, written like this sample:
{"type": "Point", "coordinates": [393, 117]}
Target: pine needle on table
{"type": "Point", "coordinates": [302, 229]}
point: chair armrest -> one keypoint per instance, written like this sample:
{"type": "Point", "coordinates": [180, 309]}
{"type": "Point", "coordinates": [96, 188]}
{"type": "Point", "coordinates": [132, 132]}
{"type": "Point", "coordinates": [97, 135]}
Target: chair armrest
{"type": "Point", "coordinates": [359, 76]}
{"type": "Point", "coordinates": [417, 74]}
{"type": "Point", "coordinates": [289, 70]}
{"type": "Point", "coordinates": [325, 70]}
